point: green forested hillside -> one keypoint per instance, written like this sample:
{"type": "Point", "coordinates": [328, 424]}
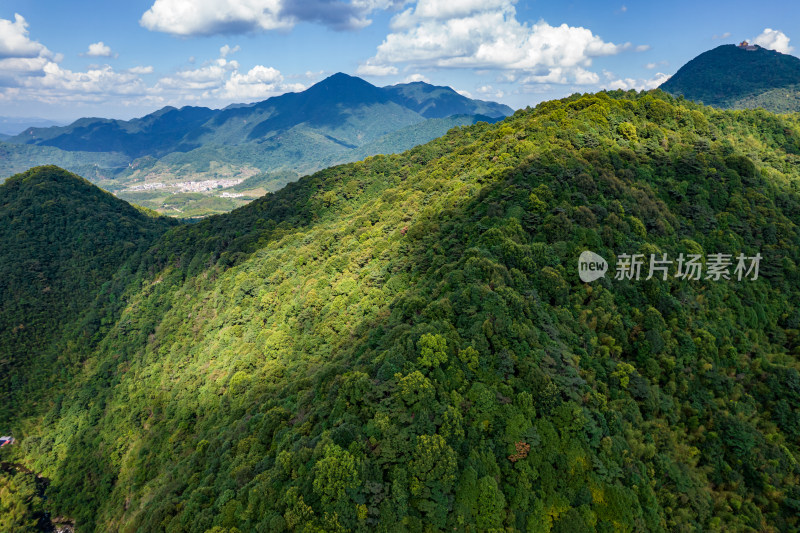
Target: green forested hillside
{"type": "Point", "coordinates": [404, 344]}
{"type": "Point", "coordinates": [735, 78]}
{"type": "Point", "coordinates": [62, 240]}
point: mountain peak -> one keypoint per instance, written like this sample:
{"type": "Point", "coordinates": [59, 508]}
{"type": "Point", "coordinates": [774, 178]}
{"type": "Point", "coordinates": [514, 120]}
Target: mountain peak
{"type": "Point", "coordinates": [340, 80]}
{"type": "Point", "coordinates": [46, 174]}
{"type": "Point", "coordinates": [736, 76]}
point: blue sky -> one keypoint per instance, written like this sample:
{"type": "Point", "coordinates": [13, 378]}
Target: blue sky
{"type": "Point", "coordinates": [63, 60]}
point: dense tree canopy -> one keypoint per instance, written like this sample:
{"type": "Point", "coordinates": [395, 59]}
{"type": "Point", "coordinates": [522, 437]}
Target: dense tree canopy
{"type": "Point", "coordinates": [404, 343]}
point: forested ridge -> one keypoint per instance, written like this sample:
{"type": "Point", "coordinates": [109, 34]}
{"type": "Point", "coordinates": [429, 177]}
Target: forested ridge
{"type": "Point", "coordinates": [404, 343]}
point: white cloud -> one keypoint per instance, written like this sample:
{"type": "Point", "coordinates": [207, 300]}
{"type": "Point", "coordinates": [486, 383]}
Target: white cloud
{"type": "Point", "coordinates": [485, 34]}
{"type": "Point", "coordinates": [416, 77]}
{"type": "Point", "coordinates": [211, 17]}
{"type": "Point", "coordinates": [488, 91]}
{"type": "Point", "coordinates": [642, 48]}
{"type": "Point", "coordinates": [445, 9]}
{"type": "Point", "coordinates": [56, 85]}
{"type": "Point", "coordinates": [371, 68]}
{"type": "Point", "coordinates": [624, 8]}
{"type": "Point", "coordinates": [631, 83]}
{"type": "Point", "coordinates": [258, 83]}
{"type": "Point", "coordinates": [99, 49]}
{"type": "Point", "coordinates": [29, 72]}
{"type": "Point", "coordinates": [651, 66]}
{"type": "Point", "coordinates": [23, 65]}
{"type": "Point", "coordinates": [226, 50]}
{"type": "Point", "coordinates": [141, 70]}
{"type": "Point", "coordinates": [723, 36]}
{"type": "Point", "coordinates": [20, 56]}
{"type": "Point", "coordinates": [220, 80]}
{"type": "Point", "coordinates": [311, 75]}
{"type": "Point", "coordinates": [774, 40]}
{"type": "Point", "coordinates": [208, 17]}
{"type": "Point", "coordinates": [14, 40]}
{"type": "Point", "coordinates": [208, 76]}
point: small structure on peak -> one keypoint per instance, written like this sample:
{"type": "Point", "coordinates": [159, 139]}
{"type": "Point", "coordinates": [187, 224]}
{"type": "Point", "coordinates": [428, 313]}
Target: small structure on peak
{"type": "Point", "coordinates": [744, 45]}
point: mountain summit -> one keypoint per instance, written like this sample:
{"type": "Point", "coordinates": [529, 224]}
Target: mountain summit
{"type": "Point", "coordinates": [737, 77]}
{"type": "Point", "coordinates": [334, 104]}
{"type": "Point", "coordinates": [149, 160]}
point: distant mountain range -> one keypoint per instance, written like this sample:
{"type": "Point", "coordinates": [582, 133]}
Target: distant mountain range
{"type": "Point", "coordinates": [340, 119]}
{"type": "Point", "coordinates": [10, 126]}
{"type": "Point", "coordinates": [735, 77]}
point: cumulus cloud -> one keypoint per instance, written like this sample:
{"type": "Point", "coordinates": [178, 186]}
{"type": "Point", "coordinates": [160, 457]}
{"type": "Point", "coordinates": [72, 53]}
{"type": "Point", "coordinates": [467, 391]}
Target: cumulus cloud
{"type": "Point", "coordinates": [208, 17]}
{"type": "Point", "coordinates": [372, 68]}
{"type": "Point", "coordinates": [723, 36]}
{"type": "Point", "coordinates": [30, 72]}
{"type": "Point", "coordinates": [485, 34]}
{"type": "Point", "coordinates": [99, 49]}
{"type": "Point", "coordinates": [651, 66]}
{"type": "Point", "coordinates": [774, 40]}
{"type": "Point", "coordinates": [20, 56]}
{"type": "Point", "coordinates": [416, 77]}
{"type": "Point", "coordinates": [221, 80]}
{"type": "Point", "coordinates": [487, 91]}
{"type": "Point", "coordinates": [14, 40]}
{"type": "Point", "coordinates": [211, 17]}
{"type": "Point", "coordinates": [226, 50]}
{"type": "Point", "coordinates": [56, 85]}
{"type": "Point", "coordinates": [613, 82]}
{"type": "Point", "coordinates": [141, 70]}
{"type": "Point", "coordinates": [258, 83]}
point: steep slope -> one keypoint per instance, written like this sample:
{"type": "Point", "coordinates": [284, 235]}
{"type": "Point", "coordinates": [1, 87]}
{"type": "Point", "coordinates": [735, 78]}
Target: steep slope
{"type": "Point", "coordinates": [62, 240]}
{"type": "Point", "coordinates": [404, 343]}
{"type": "Point", "coordinates": [731, 77]}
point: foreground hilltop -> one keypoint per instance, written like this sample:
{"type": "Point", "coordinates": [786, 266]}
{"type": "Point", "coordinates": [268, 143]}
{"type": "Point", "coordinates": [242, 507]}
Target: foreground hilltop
{"type": "Point", "coordinates": [405, 344]}
{"type": "Point", "coordinates": [740, 77]}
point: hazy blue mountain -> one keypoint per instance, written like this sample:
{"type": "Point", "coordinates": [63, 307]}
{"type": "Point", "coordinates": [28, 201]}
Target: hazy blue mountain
{"type": "Point", "coordinates": [733, 77]}
{"type": "Point", "coordinates": [154, 134]}
{"type": "Point", "coordinates": [10, 126]}
{"type": "Point", "coordinates": [338, 120]}
{"type": "Point", "coordinates": [347, 111]}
